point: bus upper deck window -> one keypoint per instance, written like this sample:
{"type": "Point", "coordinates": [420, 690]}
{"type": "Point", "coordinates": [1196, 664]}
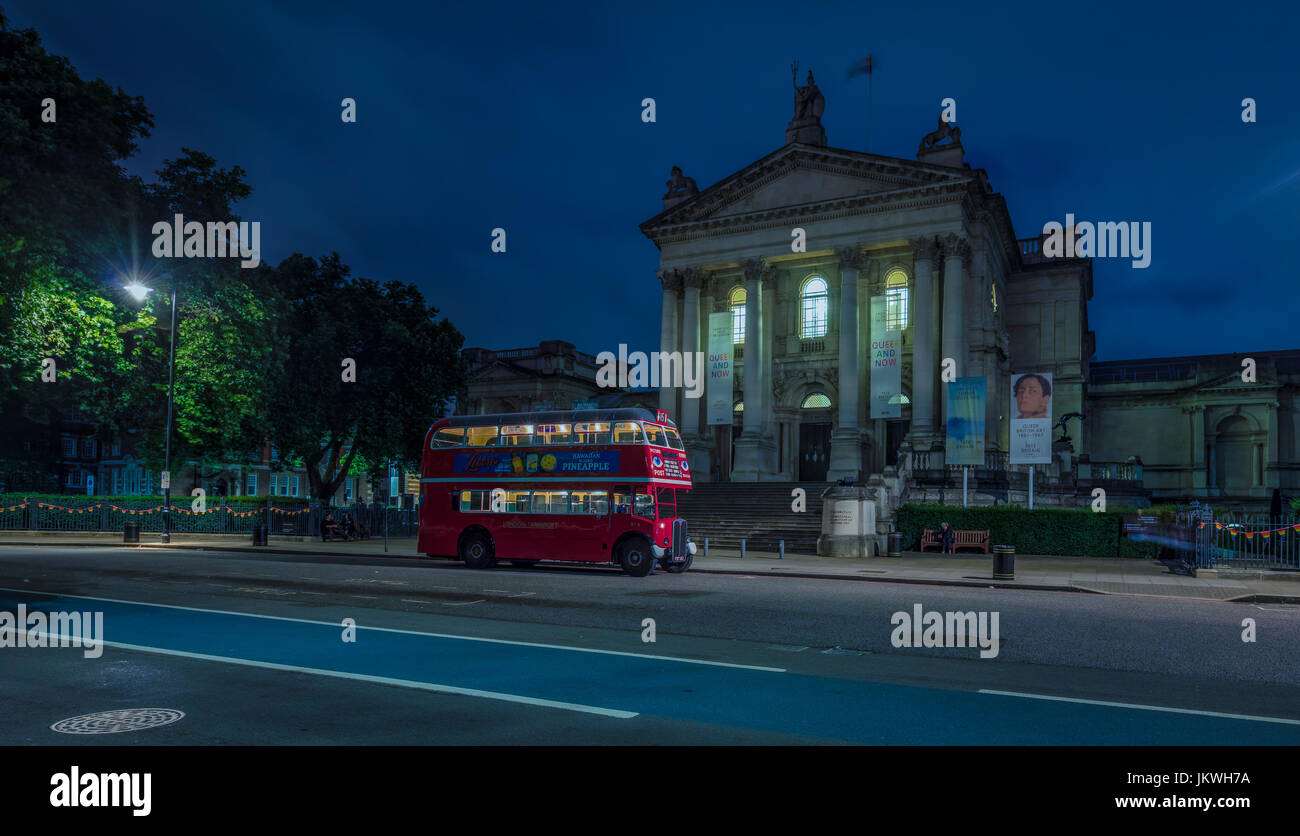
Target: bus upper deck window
{"type": "Point", "coordinates": [554, 434]}
{"type": "Point", "coordinates": [517, 435]}
{"type": "Point", "coordinates": [655, 435]}
{"type": "Point", "coordinates": [449, 437]}
{"type": "Point", "coordinates": [591, 432]}
{"type": "Point", "coordinates": [674, 440]}
{"type": "Point", "coordinates": [482, 436]}
{"type": "Point", "coordinates": [627, 432]}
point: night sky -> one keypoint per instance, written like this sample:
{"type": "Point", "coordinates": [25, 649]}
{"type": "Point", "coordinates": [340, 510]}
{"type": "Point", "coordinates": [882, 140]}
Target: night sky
{"type": "Point", "coordinates": [527, 116]}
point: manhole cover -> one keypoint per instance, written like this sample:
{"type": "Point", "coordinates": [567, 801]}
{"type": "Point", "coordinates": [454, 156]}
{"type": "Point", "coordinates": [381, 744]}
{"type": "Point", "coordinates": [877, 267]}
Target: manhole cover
{"type": "Point", "coordinates": [122, 720]}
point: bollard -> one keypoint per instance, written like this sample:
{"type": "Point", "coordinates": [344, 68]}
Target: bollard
{"type": "Point", "coordinates": [706, 546]}
{"type": "Point", "coordinates": [895, 544]}
{"type": "Point", "coordinates": [1004, 563]}
{"type": "Point", "coordinates": [259, 535]}
{"type": "Point", "coordinates": [782, 555]}
{"type": "Point", "coordinates": [742, 548]}
{"type": "Point", "coordinates": [131, 532]}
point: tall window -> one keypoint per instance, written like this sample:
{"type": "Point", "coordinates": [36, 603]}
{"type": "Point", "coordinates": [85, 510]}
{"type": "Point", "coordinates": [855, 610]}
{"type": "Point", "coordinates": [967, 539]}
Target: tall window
{"type": "Point", "coordinates": [737, 302]}
{"type": "Point", "coordinates": [896, 315]}
{"type": "Point", "coordinates": [814, 300]}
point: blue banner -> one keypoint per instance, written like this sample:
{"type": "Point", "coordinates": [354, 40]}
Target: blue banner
{"type": "Point", "coordinates": [966, 407]}
{"type": "Point", "coordinates": [556, 462]}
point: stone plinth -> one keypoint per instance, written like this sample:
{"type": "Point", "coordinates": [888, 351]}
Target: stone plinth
{"type": "Point", "coordinates": [848, 523]}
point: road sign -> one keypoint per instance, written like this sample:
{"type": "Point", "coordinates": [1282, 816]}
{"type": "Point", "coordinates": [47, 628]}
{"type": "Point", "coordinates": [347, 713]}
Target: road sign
{"type": "Point", "coordinates": [166, 479]}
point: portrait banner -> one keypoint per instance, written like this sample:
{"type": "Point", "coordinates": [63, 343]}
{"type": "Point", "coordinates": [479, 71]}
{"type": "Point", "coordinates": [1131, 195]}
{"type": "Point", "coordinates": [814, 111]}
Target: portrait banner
{"type": "Point", "coordinates": [721, 370]}
{"type": "Point", "coordinates": [1031, 418]}
{"type": "Point", "coordinates": [885, 364]}
{"type": "Point", "coordinates": [966, 409]}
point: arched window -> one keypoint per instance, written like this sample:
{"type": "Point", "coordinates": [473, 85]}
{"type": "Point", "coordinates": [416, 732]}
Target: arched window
{"type": "Point", "coordinates": [814, 299]}
{"type": "Point", "coordinates": [816, 400]}
{"type": "Point", "coordinates": [737, 302]}
{"type": "Point", "coordinates": [896, 314]}
{"type": "Point", "coordinates": [739, 407]}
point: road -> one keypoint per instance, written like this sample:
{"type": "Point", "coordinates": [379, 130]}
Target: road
{"type": "Point", "coordinates": [251, 648]}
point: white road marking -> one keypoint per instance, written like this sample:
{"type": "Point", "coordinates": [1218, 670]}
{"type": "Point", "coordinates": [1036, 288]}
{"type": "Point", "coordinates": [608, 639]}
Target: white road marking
{"type": "Point", "coordinates": [1140, 707]}
{"type": "Point", "coordinates": [333, 624]}
{"type": "Point", "coordinates": [464, 603]}
{"type": "Point", "coordinates": [384, 680]}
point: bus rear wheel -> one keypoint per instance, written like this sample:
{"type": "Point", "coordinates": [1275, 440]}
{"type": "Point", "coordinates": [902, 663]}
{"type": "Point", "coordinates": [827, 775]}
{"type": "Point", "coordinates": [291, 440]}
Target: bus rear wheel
{"type": "Point", "coordinates": [476, 551]}
{"type": "Point", "coordinates": [635, 557]}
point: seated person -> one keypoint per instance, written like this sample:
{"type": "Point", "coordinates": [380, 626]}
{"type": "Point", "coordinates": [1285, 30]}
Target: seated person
{"type": "Point", "coordinates": [363, 530]}
{"type": "Point", "coordinates": [329, 526]}
{"type": "Point", "coordinates": [349, 527]}
{"type": "Point", "coordinates": [947, 539]}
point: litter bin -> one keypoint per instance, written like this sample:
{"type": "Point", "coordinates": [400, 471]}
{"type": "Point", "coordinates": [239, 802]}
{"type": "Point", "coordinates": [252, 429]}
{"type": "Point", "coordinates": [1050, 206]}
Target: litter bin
{"type": "Point", "coordinates": [895, 544]}
{"type": "Point", "coordinates": [259, 535]}
{"type": "Point", "coordinates": [1004, 563]}
{"type": "Point", "coordinates": [131, 532]}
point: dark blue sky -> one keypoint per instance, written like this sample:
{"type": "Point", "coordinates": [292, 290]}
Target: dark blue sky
{"type": "Point", "coordinates": [527, 116]}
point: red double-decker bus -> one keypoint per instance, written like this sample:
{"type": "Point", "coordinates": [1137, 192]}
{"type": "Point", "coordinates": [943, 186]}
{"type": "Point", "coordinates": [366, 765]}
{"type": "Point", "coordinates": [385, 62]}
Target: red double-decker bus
{"type": "Point", "coordinates": [589, 485]}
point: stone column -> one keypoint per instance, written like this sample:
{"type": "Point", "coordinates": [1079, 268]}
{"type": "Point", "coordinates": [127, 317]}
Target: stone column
{"type": "Point", "coordinates": [1272, 458]}
{"type": "Point", "coordinates": [956, 262]}
{"type": "Point", "coordinates": [750, 449]}
{"type": "Point", "coordinates": [671, 282]}
{"type": "Point", "coordinates": [846, 454]}
{"type": "Point", "coordinates": [923, 367]}
{"type": "Point", "coordinates": [706, 310]}
{"type": "Point", "coordinates": [690, 416]}
{"type": "Point", "coordinates": [767, 305]}
{"type": "Point", "coordinates": [956, 255]}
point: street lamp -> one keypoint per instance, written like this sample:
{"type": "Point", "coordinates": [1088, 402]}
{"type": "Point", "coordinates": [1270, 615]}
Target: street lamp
{"type": "Point", "coordinates": [139, 292]}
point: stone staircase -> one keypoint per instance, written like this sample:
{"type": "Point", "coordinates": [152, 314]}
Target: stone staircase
{"type": "Point", "coordinates": [757, 512]}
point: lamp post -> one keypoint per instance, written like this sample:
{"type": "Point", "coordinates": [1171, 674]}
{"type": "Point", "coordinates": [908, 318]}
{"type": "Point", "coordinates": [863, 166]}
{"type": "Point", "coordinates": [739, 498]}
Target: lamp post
{"type": "Point", "coordinates": [138, 292]}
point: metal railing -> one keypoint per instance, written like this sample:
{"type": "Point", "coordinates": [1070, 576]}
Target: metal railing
{"type": "Point", "coordinates": [1222, 537]}
{"type": "Point", "coordinates": [222, 516]}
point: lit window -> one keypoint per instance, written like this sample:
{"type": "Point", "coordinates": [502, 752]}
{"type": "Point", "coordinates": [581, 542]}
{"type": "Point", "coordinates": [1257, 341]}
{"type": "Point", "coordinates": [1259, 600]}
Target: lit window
{"type": "Point", "coordinates": [817, 400]}
{"type": "Point", "coordinates": [993, 294]}
{"type": "Point", "coordinates": [739, 407]}
{"type": "Point", "coordinates": [896, 301]}
{"type": "Point", "coordinates": [737, 302]}
{"type": "Point", "coordinates": [814, 304]}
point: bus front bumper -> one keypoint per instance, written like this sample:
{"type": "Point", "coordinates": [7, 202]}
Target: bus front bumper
{"type": "Point", "coordinates": [660, 552]}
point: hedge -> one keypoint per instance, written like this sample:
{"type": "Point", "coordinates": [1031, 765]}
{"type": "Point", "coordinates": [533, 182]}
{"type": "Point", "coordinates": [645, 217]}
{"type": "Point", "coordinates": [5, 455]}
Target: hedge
{"type": "Point", "coordinates": [81, 500]}
{"type": "Point", "coordinates": [1053, 531]}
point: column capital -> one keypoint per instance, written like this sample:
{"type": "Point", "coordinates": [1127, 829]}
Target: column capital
{"type": "Point", "coordinates": [851, 257]}
{"type": "Point", "coordinates": [671, 280]}
{"type": "Point", "coordinates": [755, 269]}
{"type": "Point", "coordinates": [924, 249]}
{"type": "Point", "coordinates": [694, 278]}
{"type": "Point", "coordinates": [955, 246]}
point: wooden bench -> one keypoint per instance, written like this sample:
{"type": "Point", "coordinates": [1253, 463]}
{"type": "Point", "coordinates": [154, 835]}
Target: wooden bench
{"type": "Point", "coordinates": [962, 539]}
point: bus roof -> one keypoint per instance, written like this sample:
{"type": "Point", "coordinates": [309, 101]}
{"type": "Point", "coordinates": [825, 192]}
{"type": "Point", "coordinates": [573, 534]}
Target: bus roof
{"type": "Point", "coordinates": [556, 417]}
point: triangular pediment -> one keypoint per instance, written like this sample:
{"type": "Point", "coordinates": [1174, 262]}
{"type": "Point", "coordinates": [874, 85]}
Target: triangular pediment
{"type": "Point", "coordinates": [501, 371]}
{"type": "Point", "coordinates": [803, 175]}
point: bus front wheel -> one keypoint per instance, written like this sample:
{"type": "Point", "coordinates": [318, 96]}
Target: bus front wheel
{"type": "Point", "coordinates": [476, 551]}
{"type": "Point", "coordinates": [635, 557]}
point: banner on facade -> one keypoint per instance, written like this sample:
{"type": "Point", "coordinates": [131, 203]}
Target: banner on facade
{"type": "Point", "coordinates": [966, 409]}
{"type": "Point", "coordinates": [1031, 418]}
{"type": "Point", "coordinates": [721, 368]}
{"type": "Point", "coordinates": [885, 365]}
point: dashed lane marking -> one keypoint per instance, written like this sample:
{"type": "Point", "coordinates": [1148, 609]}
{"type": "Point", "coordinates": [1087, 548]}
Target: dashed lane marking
{"type": "Point", "coordinates": [332, 624]}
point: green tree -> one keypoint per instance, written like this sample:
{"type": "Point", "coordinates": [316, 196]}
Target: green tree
{"type": "Point", "coordinates": [408, 367]}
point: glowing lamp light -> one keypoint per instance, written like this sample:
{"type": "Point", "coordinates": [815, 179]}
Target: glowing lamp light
{"type": "Point", "coordinates": [137, 291]}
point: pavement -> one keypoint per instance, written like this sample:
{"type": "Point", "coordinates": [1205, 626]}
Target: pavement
{"type": "Point", "coordinates": [1103, 575]}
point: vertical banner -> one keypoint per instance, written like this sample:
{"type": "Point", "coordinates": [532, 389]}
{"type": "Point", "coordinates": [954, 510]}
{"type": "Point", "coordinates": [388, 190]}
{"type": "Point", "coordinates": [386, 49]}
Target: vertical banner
{"type": "Point", "coordinates": [886, 365]}
{"type": "Point", "coordinates": [966, 408]}
{"type": "Point", "coordinates": [720, 368]}
{"type": "Point", "coordinates": [1031, 418]}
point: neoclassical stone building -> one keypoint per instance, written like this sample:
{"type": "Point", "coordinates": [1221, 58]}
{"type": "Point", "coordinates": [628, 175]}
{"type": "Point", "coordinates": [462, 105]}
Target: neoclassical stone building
{"type": "Point", "coordinates": [933, 238]}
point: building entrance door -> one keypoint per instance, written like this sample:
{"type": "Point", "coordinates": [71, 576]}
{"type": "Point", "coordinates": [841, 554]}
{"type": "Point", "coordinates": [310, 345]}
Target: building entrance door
{"type": "Point", "coordinates": [814, 451]}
